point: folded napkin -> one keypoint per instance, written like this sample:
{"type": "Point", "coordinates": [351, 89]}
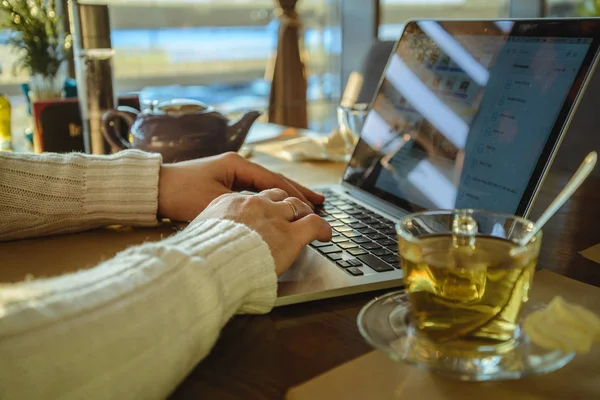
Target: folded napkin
{"type": "Point", "coordinates": [337, 146]}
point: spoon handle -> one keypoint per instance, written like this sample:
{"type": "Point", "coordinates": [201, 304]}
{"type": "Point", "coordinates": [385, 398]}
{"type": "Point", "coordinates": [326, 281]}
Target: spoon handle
{"type": "Point", "coordinates": [576, 180]}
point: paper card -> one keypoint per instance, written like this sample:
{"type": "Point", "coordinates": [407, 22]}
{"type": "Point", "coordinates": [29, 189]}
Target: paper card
{"type": "Point", "coordinates": [375, 376]}
{"type": "Point", "coordinates": [592, 253]}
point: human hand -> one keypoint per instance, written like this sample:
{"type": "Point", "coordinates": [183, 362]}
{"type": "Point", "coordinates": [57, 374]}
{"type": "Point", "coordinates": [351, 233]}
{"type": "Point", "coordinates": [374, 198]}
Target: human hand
{"type": "Point", "coordinates": [187, 188]}
{"type": "Point", "coordinates": [271, 213]}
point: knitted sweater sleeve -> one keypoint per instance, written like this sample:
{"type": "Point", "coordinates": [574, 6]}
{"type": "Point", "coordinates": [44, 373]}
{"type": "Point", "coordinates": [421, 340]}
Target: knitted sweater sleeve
{"type": "Point", "coordinates": [134, 326]}
{"type": "Point", "coordinates": [42, 194]}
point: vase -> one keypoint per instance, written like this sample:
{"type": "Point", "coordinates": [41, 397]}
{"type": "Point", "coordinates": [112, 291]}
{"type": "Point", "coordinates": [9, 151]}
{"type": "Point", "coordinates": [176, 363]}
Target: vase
{"type": "Point", "coordinates": [46, 87]}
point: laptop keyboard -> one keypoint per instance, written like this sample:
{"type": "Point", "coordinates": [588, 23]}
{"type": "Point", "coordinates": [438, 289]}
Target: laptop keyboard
{"type": "Point", "coordinates": [361, 238]}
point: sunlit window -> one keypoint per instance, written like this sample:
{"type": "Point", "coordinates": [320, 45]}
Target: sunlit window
{"type": "Point", "coordinates": [394, 13]}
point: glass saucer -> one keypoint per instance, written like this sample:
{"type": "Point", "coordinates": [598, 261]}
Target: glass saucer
{"type": "Point", "coordinates": [385, 324]}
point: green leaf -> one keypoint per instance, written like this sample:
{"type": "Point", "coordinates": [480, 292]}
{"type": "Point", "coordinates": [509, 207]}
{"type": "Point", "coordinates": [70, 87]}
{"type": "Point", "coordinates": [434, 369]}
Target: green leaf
{"type": "Point", "coordinates": [35, 35]}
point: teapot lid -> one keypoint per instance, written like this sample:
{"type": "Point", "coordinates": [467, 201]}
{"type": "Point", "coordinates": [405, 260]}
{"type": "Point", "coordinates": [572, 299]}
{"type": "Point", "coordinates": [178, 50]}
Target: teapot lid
{"type": "Point", "coordinates": [178, 107]}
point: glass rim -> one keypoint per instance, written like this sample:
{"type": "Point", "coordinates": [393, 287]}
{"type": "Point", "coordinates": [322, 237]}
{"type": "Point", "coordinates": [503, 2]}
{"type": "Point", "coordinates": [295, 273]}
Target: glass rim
{"type": "Point", "coordinates": [407, 236]}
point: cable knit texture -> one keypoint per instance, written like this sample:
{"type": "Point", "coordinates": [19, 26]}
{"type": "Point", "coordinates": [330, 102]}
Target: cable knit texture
{"type": "Point", "coordinates": [56, 193]}
{"type": "Point", "coordinates": [134, 326]}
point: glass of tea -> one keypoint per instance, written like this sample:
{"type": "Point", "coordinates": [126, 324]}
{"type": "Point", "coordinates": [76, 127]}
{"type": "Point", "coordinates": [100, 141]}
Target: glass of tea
{"type": "Point", "coordinates": [467, 275]}
{"type": "Point", "coordinates": [466, 284]}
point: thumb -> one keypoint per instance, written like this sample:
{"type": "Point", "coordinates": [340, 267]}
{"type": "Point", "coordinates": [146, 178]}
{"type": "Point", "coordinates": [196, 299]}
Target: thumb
{"type": "Point", "coordinates": [312, 227]}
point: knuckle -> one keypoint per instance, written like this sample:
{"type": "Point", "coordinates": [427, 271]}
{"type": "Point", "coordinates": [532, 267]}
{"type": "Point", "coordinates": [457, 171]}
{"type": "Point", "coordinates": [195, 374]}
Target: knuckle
{"type": "Point", "coordinates": [252, 200]}
{"type": "Point", "coordinates": [314, 219]}
{"type": "Point", "coordinates": [231, 156]}
{"type": "Point", "coordinates": [255, 203]}
{"type": "Point", "coordinates": [280, 192]}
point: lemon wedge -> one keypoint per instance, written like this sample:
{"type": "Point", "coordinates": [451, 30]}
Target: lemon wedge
{"type": "Point", "coordinates": [563, 326]}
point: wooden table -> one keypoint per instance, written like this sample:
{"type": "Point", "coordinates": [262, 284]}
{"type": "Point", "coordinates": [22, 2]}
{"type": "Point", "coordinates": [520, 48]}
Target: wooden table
{"type": "Point", "coordinates": [260, 357]}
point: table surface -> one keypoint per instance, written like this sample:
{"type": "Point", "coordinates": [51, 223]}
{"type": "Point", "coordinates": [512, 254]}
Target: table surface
{"type": "Point", "coordinates": [260, 357]}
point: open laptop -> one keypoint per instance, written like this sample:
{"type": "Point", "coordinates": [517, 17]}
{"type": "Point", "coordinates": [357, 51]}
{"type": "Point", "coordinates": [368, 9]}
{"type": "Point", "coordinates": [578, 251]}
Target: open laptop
{"type": "Point", "coordinates": [468, 114]}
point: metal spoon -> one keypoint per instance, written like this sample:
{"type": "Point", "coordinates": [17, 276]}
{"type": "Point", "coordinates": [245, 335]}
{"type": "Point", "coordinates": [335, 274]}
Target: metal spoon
{"type": "Point", "coordinates": [576, 180]}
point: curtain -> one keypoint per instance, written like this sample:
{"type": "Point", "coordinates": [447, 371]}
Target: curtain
{"type": "Point", "coordinates": [287, 100]}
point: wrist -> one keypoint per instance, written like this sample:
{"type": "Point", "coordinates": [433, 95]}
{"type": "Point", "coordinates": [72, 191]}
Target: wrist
{"type": "Point", "coordinates": [162, 211]}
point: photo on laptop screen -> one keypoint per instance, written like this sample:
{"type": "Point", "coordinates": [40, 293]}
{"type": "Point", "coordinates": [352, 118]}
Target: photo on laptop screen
{"type": "Point", "coordinates": [469, 113]}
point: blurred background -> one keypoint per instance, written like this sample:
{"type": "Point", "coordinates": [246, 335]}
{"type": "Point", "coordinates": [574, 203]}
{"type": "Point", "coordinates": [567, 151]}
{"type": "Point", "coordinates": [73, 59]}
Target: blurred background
{"type": "Point", "coordinates": [220, 51]}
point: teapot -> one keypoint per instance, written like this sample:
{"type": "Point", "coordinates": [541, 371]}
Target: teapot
{"type": "Point", "coordinates": [179, 130]}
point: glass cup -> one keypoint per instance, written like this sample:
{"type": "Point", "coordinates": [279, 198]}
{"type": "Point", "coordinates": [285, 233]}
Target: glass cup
{"type": "Point", "coordinates": [350, 121]}
{"type": "Point", "coordinates": [467, 275]}
{"type": "Point", "coordinates": [466, 289]}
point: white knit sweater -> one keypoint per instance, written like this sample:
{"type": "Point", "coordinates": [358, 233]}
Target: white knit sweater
{"type": "Point", "coordinates": [131, 327]}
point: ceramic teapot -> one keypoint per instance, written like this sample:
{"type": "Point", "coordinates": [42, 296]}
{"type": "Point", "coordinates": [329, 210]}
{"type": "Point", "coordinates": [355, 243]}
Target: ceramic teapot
{"type": "Point", "coordinates": [178, 129]}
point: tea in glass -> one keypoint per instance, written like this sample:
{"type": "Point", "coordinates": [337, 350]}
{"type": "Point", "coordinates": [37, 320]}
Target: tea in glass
{"type": "Point", "coordinates": [466, 289]}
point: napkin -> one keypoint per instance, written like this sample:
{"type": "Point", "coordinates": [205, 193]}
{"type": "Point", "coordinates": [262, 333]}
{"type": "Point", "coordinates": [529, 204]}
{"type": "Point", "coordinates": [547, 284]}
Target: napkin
{"type": "Point", "coordinates": [336, 146]}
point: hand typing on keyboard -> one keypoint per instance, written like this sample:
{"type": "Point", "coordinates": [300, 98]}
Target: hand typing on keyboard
{"type": "Point", "coordinates": [361, 237]}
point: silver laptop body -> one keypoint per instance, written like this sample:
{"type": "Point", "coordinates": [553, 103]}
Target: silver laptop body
{"type": "Point", "coordinates": [451, 93]}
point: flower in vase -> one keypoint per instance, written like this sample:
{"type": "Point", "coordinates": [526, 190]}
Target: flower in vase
{"type": "Point", "coordinates": [37, 39]}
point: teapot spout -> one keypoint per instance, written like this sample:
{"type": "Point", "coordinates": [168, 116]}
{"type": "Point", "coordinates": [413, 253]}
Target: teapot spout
{"type": "Point", "coordinates": [237, 132]}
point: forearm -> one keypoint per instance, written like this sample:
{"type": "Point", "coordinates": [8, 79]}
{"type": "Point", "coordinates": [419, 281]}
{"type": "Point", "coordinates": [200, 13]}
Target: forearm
{"type": "Point", "coordinates": [134, 326]}
{"type": "Point", "coordinates": [42, 194]}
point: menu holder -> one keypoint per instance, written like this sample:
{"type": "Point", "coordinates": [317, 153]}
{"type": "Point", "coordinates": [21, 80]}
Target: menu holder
{"type": "Point", "coordinates": [59, 127]}
{"type": "Point", "coordinates": [376, 376]}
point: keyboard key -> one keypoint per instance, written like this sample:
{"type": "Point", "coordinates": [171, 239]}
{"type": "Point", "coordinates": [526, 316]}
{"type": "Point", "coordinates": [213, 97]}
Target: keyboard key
{"type": "Point", "coordinates": [391, 259]}
{"type": "Point", "coordinates": [354, 271]}
{"type": "Point", "coordinates": [361, 240]}
{"type": "Point", "coordinates": [393, 247]}
{"type": "Point", "coordinates": [354, 262]}
{"type": "Point", "coordinates": [387, 242]}
{"type": "Point", "coordinates": [375, 263]}
{"type": "Point", "coordinates": [335, 256]}
{"type": "Point", "coordinates": [336, 223]}
{"type": "Point", "coordinates": [346, 208]}
{"type": "Point", "coordinates": [379, 226]}
{"type": "Point", "coordinates": [344, 264]}
{"type": "Point", "coordinates": [316, 243]}
{"type": "Point", "coordinates": [347, 245]}
{"type": "Point", "coordinates": [375, 236]}
{"type": "Point", "coordinates": [321, 212]}
{"type": "Point", "coordinates": [329, 218]}
{"type": "Point", "coordinates": [388, 231]}
{"type": "Point", "coordinates": [366, 231]}
{"type": "Point", "coordinates": [342, 229]}
{"type": "Point", "coordinates": [351, 234]}
{"type": "Point", "coordinates": [371, 246]}
{"type": "Point", "coordinates": [339, 239]}
{"type": "Point", "coordinates": [352, 211]}
{"type": "Point", "coordinates": [357, 252]}
{"type": "Point", "coordinates": [339, 215]}
{"type": "Point", "coordinates": [349, 220]}
{"type": "Point", "coordinates": [381, 252]}
{"type": "Point", "coordinates": [368, 220]}
{"type": "Point", "coordinates": [330, 249]}
{"type": "Point", "coordinates": [357, 225]}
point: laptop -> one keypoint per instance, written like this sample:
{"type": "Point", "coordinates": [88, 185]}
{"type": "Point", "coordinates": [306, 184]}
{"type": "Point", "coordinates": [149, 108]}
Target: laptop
{"type": "Point", "coordinates": [468, 114]}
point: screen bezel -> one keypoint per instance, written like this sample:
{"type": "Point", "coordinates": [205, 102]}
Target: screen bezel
{"type": "Point", "coordinates": [551, 28]}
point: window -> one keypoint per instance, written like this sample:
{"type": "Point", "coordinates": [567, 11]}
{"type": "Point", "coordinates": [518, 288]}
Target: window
{"type": "Point", "coordinates": [571, 8]}
{"type": "Point", "coordinates": [395, 12]}
{"type": "Point", "coordinates": [219, 50]}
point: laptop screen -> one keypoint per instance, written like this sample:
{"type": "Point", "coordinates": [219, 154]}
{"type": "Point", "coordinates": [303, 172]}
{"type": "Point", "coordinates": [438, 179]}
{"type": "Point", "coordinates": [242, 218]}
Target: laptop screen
{"type": "Point", "coordinates": [469, 113]}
